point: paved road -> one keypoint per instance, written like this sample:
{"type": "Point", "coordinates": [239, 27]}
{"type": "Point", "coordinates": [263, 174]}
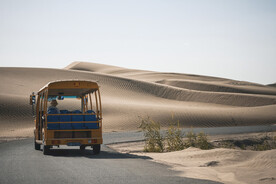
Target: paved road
{"type": "Point", "coordinates": [20, 163]}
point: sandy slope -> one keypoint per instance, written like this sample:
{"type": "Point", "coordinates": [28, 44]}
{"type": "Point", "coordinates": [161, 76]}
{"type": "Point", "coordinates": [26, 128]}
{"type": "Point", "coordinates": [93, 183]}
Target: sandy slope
{"type": "Point", "coordinates": [198, 101]}
{"type": "Point", "coordinates": [233, 166]}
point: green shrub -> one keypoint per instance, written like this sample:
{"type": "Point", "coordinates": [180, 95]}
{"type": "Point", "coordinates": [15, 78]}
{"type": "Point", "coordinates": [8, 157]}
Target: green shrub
{"type": "Point", "coordinates": [191, 139]}
{"type": "Point", "coordinates": [197, 140]}
{"type": "Point", "coordinates": [174, 137]}
{"type": "Point", "coordinates": [154, 140]}
{"type": "Point", "coordinates": [262, 147]}
{"type": "Point", "coordinates": [202, 141]}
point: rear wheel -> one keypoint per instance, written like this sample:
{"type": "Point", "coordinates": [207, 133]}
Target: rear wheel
{"type": "Point", "coordinates": [96, 149]}
{"type": "Point", "coordinates": [37, 146]}
{"type": "Point", "coordinates": [82, 147]}
{"type": "Point", "coordinates": [46, 149]}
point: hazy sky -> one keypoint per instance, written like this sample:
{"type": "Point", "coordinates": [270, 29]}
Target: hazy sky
{"type": "Point", "coordinates": [234, 39]}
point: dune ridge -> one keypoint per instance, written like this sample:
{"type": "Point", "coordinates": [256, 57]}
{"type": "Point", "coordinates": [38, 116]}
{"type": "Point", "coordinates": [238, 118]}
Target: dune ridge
{"type": "Point", "coordinates": [198, 101]}
{"type": "Point", "coordinates": [171, 88]}
{"type": "Point", "coordinates": [218, 87]}
{"type": "Point", "coordinates": [272, 85]}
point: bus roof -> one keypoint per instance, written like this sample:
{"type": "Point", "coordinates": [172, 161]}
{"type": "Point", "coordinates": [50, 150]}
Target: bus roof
{"type": "Point", "coordinates": [70, 86]}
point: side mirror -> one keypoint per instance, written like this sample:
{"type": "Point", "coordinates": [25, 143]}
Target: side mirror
{"type": "Point", "coordinates": [32, 99]}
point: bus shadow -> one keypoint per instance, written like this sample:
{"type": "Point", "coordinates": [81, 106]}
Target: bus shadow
{"type": "Point", "coordinates": [88, 153]}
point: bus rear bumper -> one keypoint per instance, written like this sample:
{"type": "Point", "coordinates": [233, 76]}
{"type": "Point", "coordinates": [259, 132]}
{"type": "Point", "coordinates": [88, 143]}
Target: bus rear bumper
{"type": "Point", "coordinates": [74, 142]}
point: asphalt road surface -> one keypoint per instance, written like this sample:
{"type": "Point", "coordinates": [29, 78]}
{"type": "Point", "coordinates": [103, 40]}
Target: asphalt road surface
{"type": "Point", "coordinates": [20, 163]}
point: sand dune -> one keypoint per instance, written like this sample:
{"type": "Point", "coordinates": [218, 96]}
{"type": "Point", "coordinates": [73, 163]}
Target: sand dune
{"type": "Point", "coordinates": [224, 165]}
{"type": "Point", "coordinates": [198, 101]}
{"type": "Point", "coordinates": [272, 85]}
{"type": "Point", "coordinates": [232, 166]}
{"type": "Point", "coordinates": [229, 87]}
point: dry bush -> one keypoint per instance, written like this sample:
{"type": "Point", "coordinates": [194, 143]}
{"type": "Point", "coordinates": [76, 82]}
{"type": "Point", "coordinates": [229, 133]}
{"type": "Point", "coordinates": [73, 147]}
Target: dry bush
{"type": "Point", "coordinates": [174, 137]}
{"type": "Point", "coordinates": [197, 140]}
{"type": "Point", "coordinates": [191, 139]}
{"type": "Point", "coordinates": [154, 139]}
{"type": "Point", "coordinates": [265, 143]}
{"type": "Point", "coordinates": [202, 141]}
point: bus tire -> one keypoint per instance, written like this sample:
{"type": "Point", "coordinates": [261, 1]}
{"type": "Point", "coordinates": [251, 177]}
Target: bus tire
{"type": "Point", "coordinates": [37, 146]}
{"type": "Point", "coordinates": [46, 150]}
{"type": "Point", "coordinates": [96, 149]}
{"type": "Point", "coordinates": [82, 147]}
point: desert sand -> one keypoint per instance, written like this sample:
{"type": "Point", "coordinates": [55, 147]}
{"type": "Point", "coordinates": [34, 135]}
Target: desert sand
{"type": "Point", "coordinates": [233, 166]}
{"type": "Point", "coordinates": [194, 100]}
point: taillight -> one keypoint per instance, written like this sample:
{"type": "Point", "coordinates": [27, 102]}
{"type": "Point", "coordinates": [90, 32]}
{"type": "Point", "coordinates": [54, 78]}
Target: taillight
{"type": "Point", "coordinates": [55, 142]}
{"type": "Point", "coordinates": [93, 140]}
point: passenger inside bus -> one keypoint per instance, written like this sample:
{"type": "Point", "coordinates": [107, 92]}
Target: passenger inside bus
{"type": "Point", "coordinates": [53, 109]}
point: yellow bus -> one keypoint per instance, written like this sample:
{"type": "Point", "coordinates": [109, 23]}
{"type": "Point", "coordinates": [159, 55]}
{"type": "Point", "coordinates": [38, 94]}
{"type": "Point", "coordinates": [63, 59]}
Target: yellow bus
{"type": "Point", "coordinates": [67, 112]}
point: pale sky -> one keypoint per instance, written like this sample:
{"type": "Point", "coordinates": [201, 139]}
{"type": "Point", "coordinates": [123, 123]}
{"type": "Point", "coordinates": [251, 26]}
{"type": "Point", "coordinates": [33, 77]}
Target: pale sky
{"type": "Point", "coordinates": [233, 39]}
